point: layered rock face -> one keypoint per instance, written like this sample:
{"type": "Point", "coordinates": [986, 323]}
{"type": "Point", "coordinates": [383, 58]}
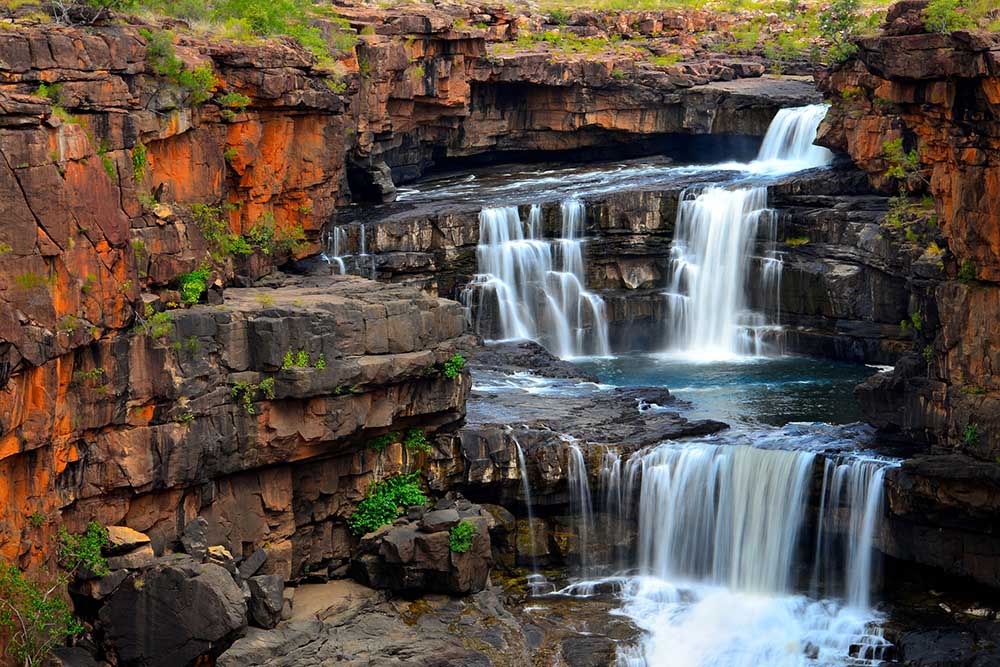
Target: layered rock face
{"type": "Point", "coordinates": [938, 93]}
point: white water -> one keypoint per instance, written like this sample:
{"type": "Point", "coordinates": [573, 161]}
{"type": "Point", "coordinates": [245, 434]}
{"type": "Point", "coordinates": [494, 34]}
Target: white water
{"type": "Point", "coordinates": [580, 504]}
{"type": "Point", "coordinates": [719, 559]}
{"type": "Point", "coordinates": [534, 287]}
{"type": "Point", "coordinates": [712, 253]}
{"type": "Point", "coordinates": [336, 252]}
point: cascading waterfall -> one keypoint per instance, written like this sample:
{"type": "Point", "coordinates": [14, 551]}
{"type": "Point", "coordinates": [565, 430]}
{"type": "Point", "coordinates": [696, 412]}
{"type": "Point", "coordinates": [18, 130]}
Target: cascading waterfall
{"type": "Point", "coordinates": [580, 503]}
{"type": "Point", "coordinates": [535, 288]}
{"type": "Point", "coordinates": [526, 490]}
{"type": "Point", "coordinates": [721, 526]}
{"type": "Point", "coordinates": [713, 250]}
{"type": "Point", "coordinates": [335, 252]}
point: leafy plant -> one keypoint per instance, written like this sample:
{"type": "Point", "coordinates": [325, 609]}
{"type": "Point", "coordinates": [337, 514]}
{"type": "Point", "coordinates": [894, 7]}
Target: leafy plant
{"type": "Point", "coordinates": [139, 161]}
{"type": "Point", "coordinates": [34, 614]}
{"type": "Point", "coordinates": [947, 16]}
{"type": "Point", "coordinates": [320, 362]}
{"type": "Point", "coordinates": [384, 502]}
{"type": "Point", "coordinates": [967, 272]}
{"type": "Point", "coordinates": [460, 537]}
{"type": "Point", "coordinates": [246, 393]}
{"type": "Point", "coordinates": [453, 367]}
{"type": "Point", "coordinates": [198, 82]}
{"type": "Point", "coordinates": [838, 24]}
{"type": "Point", "coordinates": [971, 435]}
{"type": "Point", "coordinates": [416, 441]}
{"type": "Point", "coordinates": [381, 442]}
{"type": "Point", "coordinates": [193, 285]}
{"type": "Point", "coordinates": [902, 165]}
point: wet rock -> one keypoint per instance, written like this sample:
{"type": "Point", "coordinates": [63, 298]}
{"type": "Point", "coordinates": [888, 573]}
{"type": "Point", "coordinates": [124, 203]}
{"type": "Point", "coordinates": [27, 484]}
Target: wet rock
{"type": "Point", "coordinates": [584, 651]}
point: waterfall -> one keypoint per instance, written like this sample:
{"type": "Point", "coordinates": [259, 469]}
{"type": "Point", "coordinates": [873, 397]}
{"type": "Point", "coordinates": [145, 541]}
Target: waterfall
{"type": "Point", "coordinates": [580, 504]}
{"type": "Point", "coordinates": [712, 252]}
{"type": "Point", "coordinates": [337, 256]}
{"type": "Point", "coordinates": [336, 253]}
{"type": "Point", "coordinates": [851, 486]}
{"type": "Point", "coordinates": [526, 490]}
{"type": "Point", "coordinates": [721, 531]}
{"type": "Point", "coordinates": [734, 518]}
{"type": "Point", "coordinates": [535, 288]}
{"type": "Point", "coordinates": [790, 137]}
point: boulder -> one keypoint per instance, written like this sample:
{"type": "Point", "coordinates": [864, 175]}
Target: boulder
{"type": "Point", "coordinates": [123, 538]}
{"type": "Point", "coordinates": [416, 555]}
{"type": "Point", "coordinates": [253, 563]}
{"type": "Point", "coordinates": [266, 599]}
{"type": "Point", "coordinates": [195, 538]}
{"type": "Point", "coordinates": [173, 612]}
{"type": "Point", "coordinates": [134, 559]}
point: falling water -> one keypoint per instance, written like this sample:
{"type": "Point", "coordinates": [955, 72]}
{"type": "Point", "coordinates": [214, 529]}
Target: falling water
{"type": "Point", "coordinates": [713, 250]}
{"type": "Point", "coordinates": [526, 490]}
{"type": "Point", "coordinates": [535, 287]}
{"type": "Point", "coordinates": [720, 529]}
{"type": "Point", "coordinates": [336, 252]}
{"type": "Point", "coordinates": [580, 503]}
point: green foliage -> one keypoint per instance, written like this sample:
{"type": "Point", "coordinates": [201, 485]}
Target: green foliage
{"type": "Point", "coordinates": [973, 390]}
{"type": "Point", "coordinates": [31, 280]}
{"type": "Point", "coordinates": [298, 359]}
{"type": "Point", "coordinates": [460, 537]}
{"type": "Point", "coordinates": [34, 615]}
{"type": "Point", "coordinates": [967, 272]}
{"type": "Point", "coordinates": [246, 393]}
{"type": "Point", "coordinates": [928, 353]}
{"type": "Point", "coordinates": [797, 241]}
{"type": "Point", "coordinates": [50, 91]}
{"type": "Point", "coordinates": [665, 60]}
{"type": "Point", "coordinates": [902, 165]}
{"type": "Point", "coordinates": [416, 441]}
{"type": "Point", "coordinates": [320, 362]}
{"type": "Point", "coordinates": [107, 162]}
{"type": "Point", "coordinates": [156, 325]}
{"type": "Point", "coordinates": [948, 16]}
{"type": "Point", "coordinates": [384, 502]}
{"type": "Point", "coordinates": [453, 367]}
{"type": "Point", "coordinates": [139, 161]}
{"type": "Point", "coordinates": [839, 25]}
{"type": "Point", "coordinates": [160, 53]}
{"type": "Point", "coordinates": [214, 228]}
{"type": "Point", "coordinates": [971, 435]}
{"type": "Point", "coordinates": [559, 16]}
{"type": "Point", "coordinates": [84, 550]}
{"type": "Point", "coordinates": [381, 442]}
{"type": "Point", "coordinates": [193, 285]}
{"type": "Point", "coordinates": [234, 100]}
{"type": "Point", "coordinates": [84, 377]}
{"type": "Point", "coordinates": [270, 240]}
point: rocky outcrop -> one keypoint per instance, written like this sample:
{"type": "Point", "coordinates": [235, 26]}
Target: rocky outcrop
{"type": "Point", "coordinates": [938, 94]}
{"type": "Point", "coordinates": [416, 555]}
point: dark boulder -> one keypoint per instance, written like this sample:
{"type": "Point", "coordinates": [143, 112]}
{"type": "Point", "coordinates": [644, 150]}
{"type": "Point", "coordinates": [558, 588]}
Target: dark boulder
{"type": "Point", "coordinates": [173, 612]}
{"type": "Point", "coordinates": [266, 599]}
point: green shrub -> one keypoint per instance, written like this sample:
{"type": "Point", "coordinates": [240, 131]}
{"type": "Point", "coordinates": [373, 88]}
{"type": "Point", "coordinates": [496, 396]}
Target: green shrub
{"type": "Point", "coordinates": [246, 393]}
{"type": "Point", "coordinates": [460, 537]}
{"type": "Point", "coordinates": [384, 502]}
{"type": "Point", "coordinates": [198, 82]}
{"type": "Point", "coordinates": [902, 165]}
{"type": "Point", "coordinates": [453, 367]}
{"type": "Point", "coordinates": [193, 285]}
{"type": "Point", "coordinates": [947, 16]}
{"type": "Point", "coordinates": [839, 24]}
{"type": "Point", "coordinates": [381, 442]}
{"type": "Point", "coordinates": [320, 362]}
{"type": "Point", "coordinates": [416, 441]}
{"type": "Point", "coordinates": [34, 614]}
{"type": "Point", "coordinates": [967, 272]}
{"type": "Point", "coordinates": [139, 161]}
{"type": "Point", "coordinates": [971, 435]}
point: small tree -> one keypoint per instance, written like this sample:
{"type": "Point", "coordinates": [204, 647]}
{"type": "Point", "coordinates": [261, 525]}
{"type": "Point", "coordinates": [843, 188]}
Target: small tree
{"type": "Point", "coordinates": [73, 12]}
{"type": "Point", "coordinates": [838, 23]}
{"type": "Point", "coordinates": [34, 613]}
